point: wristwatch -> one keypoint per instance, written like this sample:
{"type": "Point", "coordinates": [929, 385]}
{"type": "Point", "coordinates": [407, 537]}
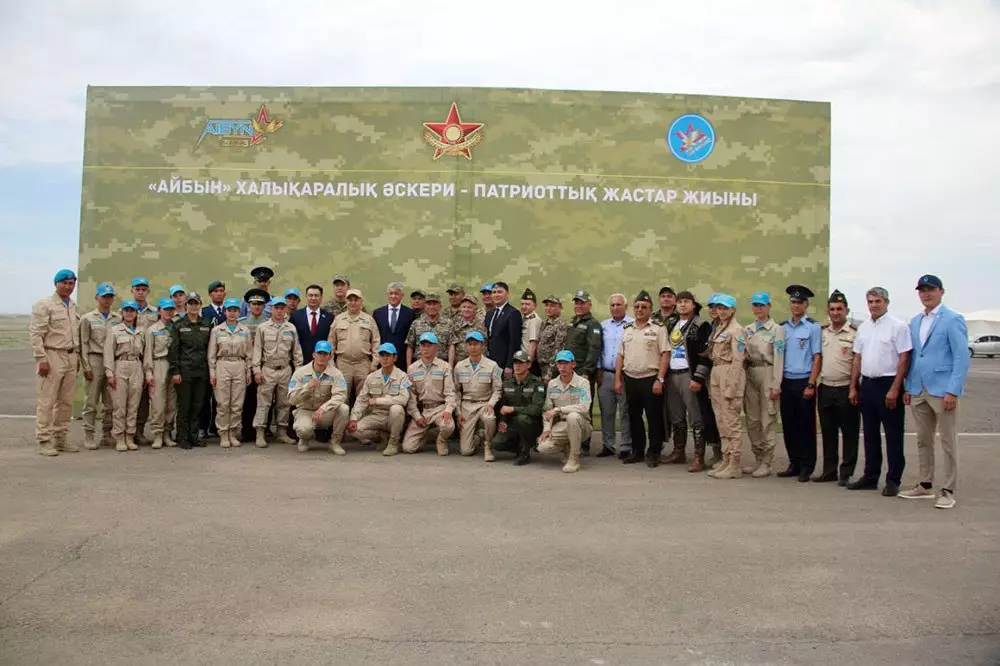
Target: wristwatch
{"type": "Point", "coordinates": [659, 379]}
{"type": "Point", "coordinates": [810, 385]}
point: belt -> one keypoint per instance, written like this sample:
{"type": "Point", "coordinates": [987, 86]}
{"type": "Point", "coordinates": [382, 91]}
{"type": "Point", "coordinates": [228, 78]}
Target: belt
{"type": "Point", "coordinates": [872, 379]}
{"type": "Point", "coordinates": [429, 405]}
{"type": "Point", "coordinates": [679, 372]}
{"type": "Point", "coordinates": [232, 358]}
{"type": "Point", "coordinates": [129, 358]}
{"type": "Point", "coordinates": [277, 366]}
{"type": "Point", "coordinates": [68, 350]}
{"type": "Point", "coordinates": [720, 363]}
{"type": "Point", "coordinates": [760, 364]}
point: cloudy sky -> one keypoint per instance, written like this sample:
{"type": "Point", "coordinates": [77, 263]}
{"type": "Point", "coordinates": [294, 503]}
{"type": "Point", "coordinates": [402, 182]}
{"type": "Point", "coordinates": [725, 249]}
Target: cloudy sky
{"type": "Point", "coordinates": [914, 87]}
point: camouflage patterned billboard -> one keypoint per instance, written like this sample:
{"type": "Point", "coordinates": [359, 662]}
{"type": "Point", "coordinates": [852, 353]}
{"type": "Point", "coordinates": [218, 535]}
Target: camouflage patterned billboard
{"type": "Point", "coordinates": [605, 191]}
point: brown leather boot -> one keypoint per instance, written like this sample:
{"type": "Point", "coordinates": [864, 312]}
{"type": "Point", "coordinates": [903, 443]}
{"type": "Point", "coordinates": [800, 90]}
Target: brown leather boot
{"type": "Point", "coordinates": [698, 464]}
{"type": "Point", "coordinates": [678, 456]}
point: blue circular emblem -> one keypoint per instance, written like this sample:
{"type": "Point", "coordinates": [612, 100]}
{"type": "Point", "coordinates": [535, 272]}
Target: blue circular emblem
{"type": "Point", "coordinates": [691, 138]}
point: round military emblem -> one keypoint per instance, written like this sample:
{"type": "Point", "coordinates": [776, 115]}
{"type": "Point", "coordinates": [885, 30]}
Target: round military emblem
{"type": "Point", "coordinates": [691, 138]}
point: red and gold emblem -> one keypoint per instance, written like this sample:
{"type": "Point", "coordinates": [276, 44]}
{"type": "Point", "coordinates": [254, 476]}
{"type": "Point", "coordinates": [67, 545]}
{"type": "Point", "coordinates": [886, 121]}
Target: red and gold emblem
{"type": "Point", "coordinates": [453, 137]}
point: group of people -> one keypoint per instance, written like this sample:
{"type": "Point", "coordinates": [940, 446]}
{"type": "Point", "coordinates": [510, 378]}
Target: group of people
{"type": "Point", "coordinates": [502, 378]}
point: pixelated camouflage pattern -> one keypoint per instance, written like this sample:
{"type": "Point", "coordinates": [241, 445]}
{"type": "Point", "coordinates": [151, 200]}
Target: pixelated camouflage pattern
{"type": "Point", "coordinates": [442, 328]}
{"type": "Point", "coordinates": [551, 339]}
{"type": "Point", "coordinates": [777, 149]}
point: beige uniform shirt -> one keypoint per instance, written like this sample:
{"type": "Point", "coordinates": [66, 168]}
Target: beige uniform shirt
{"type": "Point", "coordinates": [276, 346]}
{"type": "Point", "coordinates": [122, 342]}
{"type": "Point", "coordinates": [382, 391]}
{"type": "Point", "coordinates": [156, 346]}
{"type": "Point", "coordinates": [531, 328]}
{"type": "Point", "coordinates": [329, 392]}
{"type": "Point", "coordinates": [727, 347]}
{"type": "Point", "coordinates": [838, 355]}
{"type": "Point", "coordinates": [54, 325]}
{"type": "Point", "coordinates": [226, 344]}
{"type": "Point", "coordinates": [569, 398]}
{"type": "Point", "coordinates": [482, 384]}
{"type": "Point", "coordinates": [147, 317]}
{"type": "Point", "coordinates": [766, 347]}
{"type": "Point", "coordinates": [432, 386]}
{"type": "Point", "coordinates": [94, 329]}
{"type": "Point", "coordinates": [355, 338]}
{"type": "Point", "coordinates": [641, 349]}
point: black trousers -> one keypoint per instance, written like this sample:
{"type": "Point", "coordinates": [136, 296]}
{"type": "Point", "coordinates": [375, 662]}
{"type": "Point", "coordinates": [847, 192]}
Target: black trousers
{"type": "Point", "coordinates": [641, 400]}
{"type": "Point", "coordinates": [190, 399]}
{"type": "Point", "coordinates": [206, 418]}
{"type": "Point", "coordinates": [798, 418]}
{"type": "Point", "coordinates": [522, 434]}
{"type": "Point", "coordinates": [838, 417]}
{"type": "Point", "coordinates": [709, 427]}
{"type": "Point", "coordinates": [875, 416]}
{"type": "Point", "coordinates": [247, 431]}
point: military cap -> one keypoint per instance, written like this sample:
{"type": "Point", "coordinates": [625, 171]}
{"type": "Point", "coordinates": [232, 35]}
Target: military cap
{"type": "Point", "coordinates": [231, 303]}
{"type": "Point", "coordinates": [760, 298]}
{"type": "Point", "coordinates": [387, 348]}
{"type": "Point", "coordinates": [582, 295]}
{"type": "Point", "coordinates": [797, 292]}
{"type": "Point", "coordinates": [193, 297]}
{"type": "Point", "coordinates": [340, 277]}
{"type": "Point", "coordinates": [140, 282]}
{"type": "Point", "coordinates": [552, 298]}
{"type": "Point", "coordinates": [64, 274]}
{"type": "Point", "coordinates": [474, 335]}
{"type": "Point", "coordinates": [216, 284]}
{"type": "Point", "coordinates": [487, 287]}
{"type": "Point", "coordinates": [930, 281]}
{"type": "Point", "coordinates": [432, 297]}
{"type": "Point", "coordinates": [565, 355]}
{"type": "Point", "coordinates": [262, 273]}
{"type": "Point", "coordinates": [323, 347]}
{"type": "Point", "coordinates": [418, 293]}
{"type": "Point", "coordinates": [166, 304]}
{"type": "Point", "coordinates": [278, 300]}
{"type": "Point", "coordinates": [837, 297]}
{"type": "Point", "coordinates": [429, 336]}
{"type": "Point", "coordinates": [667, 290]}
{"type": "Point", "coordinates": [643, 295]}
{"type": "Point", "coordinates": [105, 289]}
{"type": "Point", "coordinates": [470, 298]}
{"type": "Point", "coordinates": [293, 292]}
{"type": "Point", "coordinates": [726, 301]}
{"type": "Point", "coordinates": [395, 285]}
{"type": "Point", "coordinates": [522, 356]}
{"type": "Point", "coordinates": [686, 296]}
{"type": "Point", "coordinates": [455, 288]}
{"type": "Point", "coordinates": [256, 296]}
{"type": "Point", "coordinates": [354, 292]}
{"type": "Point", "coordinates": [177, 289]}
{"type": "Point", "coordinates": [529, 295]}
{"type": "Point", "coordinates": [130, 305]}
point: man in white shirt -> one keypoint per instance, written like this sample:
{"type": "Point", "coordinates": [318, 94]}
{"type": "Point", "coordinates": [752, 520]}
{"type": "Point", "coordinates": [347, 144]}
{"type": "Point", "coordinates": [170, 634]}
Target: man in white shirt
{"type": "Point", "coordinates": [882, 357]}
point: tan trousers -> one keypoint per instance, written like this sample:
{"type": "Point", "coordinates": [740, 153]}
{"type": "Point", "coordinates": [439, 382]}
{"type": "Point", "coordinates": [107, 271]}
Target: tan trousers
{"type": "Point", "coordinates": [162, 400]}
{"type": "Point", "coordinates": [761, 412]}
{"type": "Point", "coordinates": [129, 380]}
{"type": "Point", "coordinates": [306, 429]}
{"type": "Point", "coordinates": [355, 374]}
{"type": "Point", "coordinates": [273, 388]}
{"type": "Point", "coordinates": [97, 390]}
{"type": "Point", "coordinates": [230, 390]}
{"type": "Point", "coordinates": [54, 396]}
{"type": "Point", "coordinates": [727, 414]}
{"type": "Point", "coordinates": [416, 435]}
{"type": "Point", "coordinates": [567, 435]}
{"type": "Point", "coordinates": [381, 420]}
{"type": "Point", "coordinates": [930, 416]}
{"type": "Point", "coordinates": [477, 414]}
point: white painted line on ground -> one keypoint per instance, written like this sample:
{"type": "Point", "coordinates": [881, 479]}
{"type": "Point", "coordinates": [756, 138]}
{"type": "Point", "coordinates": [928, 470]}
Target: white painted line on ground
{"type": "Point", "coordinates": [17, 416]}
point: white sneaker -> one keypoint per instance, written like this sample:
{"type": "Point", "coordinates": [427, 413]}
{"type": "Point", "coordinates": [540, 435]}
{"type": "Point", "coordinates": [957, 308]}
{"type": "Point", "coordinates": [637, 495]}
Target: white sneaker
{"type": "Point", "coordinates": [945, 501]}
{"type": "Point", "coordinates": [917, 492]}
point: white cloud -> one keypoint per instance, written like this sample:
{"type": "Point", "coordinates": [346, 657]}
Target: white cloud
{"type": "Point", "coordinates": [914, 87]}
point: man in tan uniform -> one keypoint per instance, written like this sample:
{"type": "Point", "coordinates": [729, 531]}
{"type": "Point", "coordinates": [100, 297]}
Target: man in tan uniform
{"type": "Point", "coordinates": [478, 385]}
{"type": "Point", "coordinates": [381, 406]}
{"type": "Point", "coordinates": [123, 348]}
{"type": "Point", "coordinates": [319, 392]}
{"type": "Point", "coordinates": [355, 338]}
{"type": "Point", "coordinates": [147, 317]}
{"type": "Point", "coordinates": [159, 382]}
{"type": "Point", "coordinates": [276, 351]}
{"type": "Point", "coordinates": [765, 362]}
{"type": "Point", "coordinates": [531, 324]}
{"type": "Point", "coordinates": [432, 398]}
{"type": "Point", "coordinates": [94, 327]}
{"type": "Point", "coordinates": [54, 332]}
{"type": "Point", "coordinates": [230, 350]}
{"type": "Point", "coordinates": [836, 413]}
{"type": "Point", "coordinates": [727, 385]}
{"type": "Point", "coordinates": [566, 419]}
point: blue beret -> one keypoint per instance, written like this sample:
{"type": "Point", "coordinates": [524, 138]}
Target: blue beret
{"type": "Point", "coordinates": [64, 274]}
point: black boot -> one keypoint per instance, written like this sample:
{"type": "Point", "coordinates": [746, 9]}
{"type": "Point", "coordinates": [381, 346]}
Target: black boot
{"type": "Point", "coordinates": [523, 456]}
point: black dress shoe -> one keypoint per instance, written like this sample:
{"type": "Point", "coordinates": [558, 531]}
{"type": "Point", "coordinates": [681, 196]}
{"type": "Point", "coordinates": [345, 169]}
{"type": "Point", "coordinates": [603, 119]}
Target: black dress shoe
{"type": "Point", "coordinates": [804, 477]}
{"type": "Point", "coordinates": [605, 452]}
{"type": "Point", "coordinates": [199, 443]}
{"type": "Point", "coordinates": [633, 458]}
{"type": "Point", "coordinates": [825, 477]}
{"type": "Point", "coordinates": [652, 461]}
{"type": "Point", "coordinates": [788, 473]}
{"type": "Point", "coordinates": [522, 458]}
{"type": "Point", "coordinates": [624, 454]}
{"type": "Point", "coordinates": [843, 480]}
{"type": "Point", "coordinates": [864, 483]}
{"type": "Point", "coordinates": [186, 445]}
{"type": "Point", "coordinates": [890, 490]}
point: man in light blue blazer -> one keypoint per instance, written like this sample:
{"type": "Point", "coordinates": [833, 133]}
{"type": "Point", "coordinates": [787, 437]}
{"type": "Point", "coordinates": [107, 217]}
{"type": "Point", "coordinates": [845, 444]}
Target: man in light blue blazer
{"type": "Point", "coordinates": [940, 362]}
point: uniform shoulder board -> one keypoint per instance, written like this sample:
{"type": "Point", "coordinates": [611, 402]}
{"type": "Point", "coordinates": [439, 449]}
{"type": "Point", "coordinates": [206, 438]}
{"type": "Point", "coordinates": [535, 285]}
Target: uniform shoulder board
{"type": "Point", "coordinates": [826, 325]}
{"type": "Point", "coordinates": [628, 325]}
{"type": "Point", "coordinates": [810, 319]}
{"type": "Point", "coordinates": [851, 326]}
{"type": "Point", "coordinates": [241, 319]}
{"type": "Point", "coordinates": [784, 322]}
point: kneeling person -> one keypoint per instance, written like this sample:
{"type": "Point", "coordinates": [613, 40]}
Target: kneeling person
{"type": "Point", "coordinates": [478, 381]}
{"type": "Point", "coordinates": [432, 397]}
{"type": "Point", "coordinates": [318, 391]}
{"type": "Point", "coordinates": [381, 405]}
{"type": "Point", "coordinates": [566, 420]}
{"type": "Point", "coordinates": [521, 403]}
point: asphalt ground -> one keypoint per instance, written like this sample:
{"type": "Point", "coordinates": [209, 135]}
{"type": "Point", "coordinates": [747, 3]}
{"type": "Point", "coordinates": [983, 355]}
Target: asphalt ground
{"type": "Point", "coordinates": [247, 556]}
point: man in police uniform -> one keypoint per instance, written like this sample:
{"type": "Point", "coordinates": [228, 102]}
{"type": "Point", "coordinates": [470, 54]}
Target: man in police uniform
{"type": "Point", "coordinates": [262, 283]}
{"type": "Point", "coordinates": [94, 327]}
{"type": "Point", "coordinates": [432, 397]}
{"type": "Point", "coordinates": [478, 385]}
{"type": "Point", "coordinates": [765, 361]}
{"type": "Point", "coordinates": [803, 359]}
{"type": "Point", "coordinates": [836, 413]}
{"type": "Point", "coordinates": [380, 410]}
{"type": "Point", "coordinates": [431, 321]}
{"type": "Point", "coordinates": [583, 338]}
{"type": "Point", "coordinates": [551, 337]}
{"type": "Point", "coordinates": [519, 420]}
{"type": "Point", "coordinates": [566, 413]}
{"type": "Point", "coordinates": [276, 352]}
{"type": "Point", "coordinates": [257, 302]}
{"type": "Point", "coordinates": [189, 369]}
{"type": "Point", "coordinates": [54, 332]}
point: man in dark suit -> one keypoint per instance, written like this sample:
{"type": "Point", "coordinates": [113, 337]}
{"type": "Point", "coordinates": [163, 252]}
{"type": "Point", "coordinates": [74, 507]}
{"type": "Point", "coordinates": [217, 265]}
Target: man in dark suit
{"type": "Point", "coordinates": [394, 320]}
{"type": "Point", "coordinates": [215, 314]}
{"type": "Point", "coordinates": [503, 323]}
{"type": "Point", "coordinates": [311, 322]}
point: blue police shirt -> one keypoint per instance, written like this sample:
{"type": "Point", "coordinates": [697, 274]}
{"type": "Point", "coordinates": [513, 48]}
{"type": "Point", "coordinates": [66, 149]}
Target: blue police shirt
{"type": "Point", "coordinates": [802, 340]}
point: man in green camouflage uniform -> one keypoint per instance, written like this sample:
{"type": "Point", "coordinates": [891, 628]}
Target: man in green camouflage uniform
{"type": "Point", "coordinates": [431, 322]}
{"type": "Point", "coordinates": [519, 420]}
{"type": "Point", "coordinates": [551, 337]}
{"type": "Point", "coordinates": [583, 338]}
{"type": "Point", "coordinates": [467, 321]}
{"type": "Point", "coordinates": [338, 302]}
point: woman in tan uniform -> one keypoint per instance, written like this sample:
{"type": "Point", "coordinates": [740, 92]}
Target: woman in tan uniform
{"type": "Point", "coordinates": [123, 348]}
{"type": "Point", "coordinates": [728, 384]}
{"type": "Point", "coordinates": [229, 358]}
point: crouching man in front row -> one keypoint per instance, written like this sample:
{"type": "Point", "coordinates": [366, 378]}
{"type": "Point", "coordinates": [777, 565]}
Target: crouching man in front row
{"type": "Point", "coordinates": [379, 412]}
{"type": "Point", "coordinates": [566, 420]}
{"type": "Point", "coordinates": [432, 398]}
{"type": "Point", "coordinates": [318, 391]}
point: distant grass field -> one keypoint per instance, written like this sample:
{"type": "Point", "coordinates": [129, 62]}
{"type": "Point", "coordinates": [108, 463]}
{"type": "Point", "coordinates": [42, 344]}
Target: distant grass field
{"type": "Point", "coordinates": [14, 331]}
